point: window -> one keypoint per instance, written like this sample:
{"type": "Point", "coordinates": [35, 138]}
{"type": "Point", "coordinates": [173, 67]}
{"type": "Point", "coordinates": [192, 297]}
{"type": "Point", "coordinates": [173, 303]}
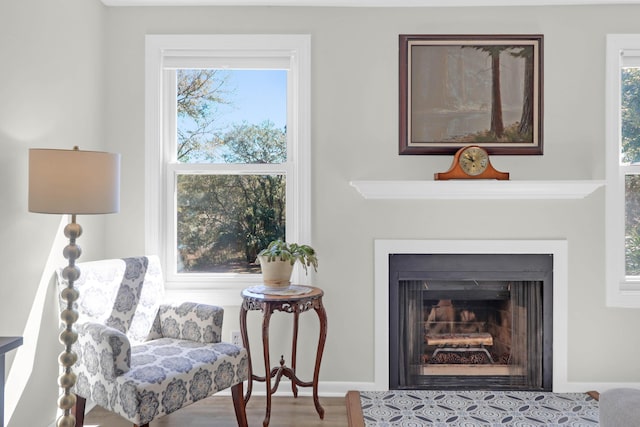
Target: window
{"type": "Point", "coordinates": [227, 152]}
{"type": "Point", "coordinates": [623, 170]}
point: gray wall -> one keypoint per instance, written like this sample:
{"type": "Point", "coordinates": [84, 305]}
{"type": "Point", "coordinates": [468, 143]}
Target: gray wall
{"type": "Point", "coordinates": [74, 74]}
{"type": "Point", "coordinates": [51, 91]}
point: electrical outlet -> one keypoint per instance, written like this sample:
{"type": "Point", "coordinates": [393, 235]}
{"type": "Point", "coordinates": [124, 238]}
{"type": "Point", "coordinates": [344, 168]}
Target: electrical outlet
{"type": "Point", "coordinates": [236, 338]}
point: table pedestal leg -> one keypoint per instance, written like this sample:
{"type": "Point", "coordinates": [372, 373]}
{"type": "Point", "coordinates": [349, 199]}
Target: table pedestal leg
{"type": "Point", "coordinates": [267, 363]}
{"type": "Point", "coordinates": [322, 316]}
{"type": "Point", "coordinates": [294, 348]}
{"type": "Point", "coordinates": [245, 342]}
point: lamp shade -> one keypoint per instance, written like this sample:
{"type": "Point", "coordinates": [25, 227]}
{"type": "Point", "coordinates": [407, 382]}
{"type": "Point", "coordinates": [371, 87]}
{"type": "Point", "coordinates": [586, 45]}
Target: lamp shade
{"type": "Point", "coordinates": [73, 181]}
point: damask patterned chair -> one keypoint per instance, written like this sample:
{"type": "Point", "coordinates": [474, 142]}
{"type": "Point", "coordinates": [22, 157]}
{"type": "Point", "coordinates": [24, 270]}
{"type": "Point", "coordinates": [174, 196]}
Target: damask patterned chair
{"type": "Point", "coordinates": [140, 358]}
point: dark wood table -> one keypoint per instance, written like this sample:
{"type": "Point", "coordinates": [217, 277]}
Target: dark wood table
{"type": "Point", "coordinates": [289, 303]}
{"type": "Point", "coordinates": [6, 345]}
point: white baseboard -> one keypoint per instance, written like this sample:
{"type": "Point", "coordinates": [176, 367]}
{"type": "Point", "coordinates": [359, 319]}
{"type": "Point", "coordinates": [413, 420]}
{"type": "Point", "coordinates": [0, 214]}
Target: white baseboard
{"type": "Point", "coordinates": [340, 389]}
{"type": "Point", "coordinates": [576, 387]}
{"type": "Point", "coordinates": [570, 387]}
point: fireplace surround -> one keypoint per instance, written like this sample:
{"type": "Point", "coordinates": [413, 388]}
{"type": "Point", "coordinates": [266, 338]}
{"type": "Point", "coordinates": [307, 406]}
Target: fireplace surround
{"type": "Point", "coordinates": [557, 249]}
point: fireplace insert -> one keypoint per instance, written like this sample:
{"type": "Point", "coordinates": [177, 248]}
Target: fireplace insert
{"type": "Point", "coordinates": [481, 321]}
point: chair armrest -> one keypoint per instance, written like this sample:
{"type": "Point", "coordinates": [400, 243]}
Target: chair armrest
{"type": "Point", "coordinates": [103, 349]}
{"type": "Point", "coordinates": [191, 321]}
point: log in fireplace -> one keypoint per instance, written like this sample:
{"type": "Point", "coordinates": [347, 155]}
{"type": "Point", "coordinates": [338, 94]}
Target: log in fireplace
{"type": "Point", "coordinates": [480, 321]}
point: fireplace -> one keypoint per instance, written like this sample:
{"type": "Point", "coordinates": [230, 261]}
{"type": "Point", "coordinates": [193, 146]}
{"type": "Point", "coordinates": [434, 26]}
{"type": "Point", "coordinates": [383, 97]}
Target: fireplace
{"type": "Point", "coordinates": [488, 297]}
{"type": "Point", "coordinates": [460, 321]}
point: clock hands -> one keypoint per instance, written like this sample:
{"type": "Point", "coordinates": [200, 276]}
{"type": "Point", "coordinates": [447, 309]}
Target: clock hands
{"type": "Point", "coordinates": [471, 159]}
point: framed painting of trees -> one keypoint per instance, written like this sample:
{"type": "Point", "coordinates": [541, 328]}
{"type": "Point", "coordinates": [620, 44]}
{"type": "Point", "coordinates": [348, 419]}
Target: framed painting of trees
{"type": "Point", "coordinates": [459, 90]}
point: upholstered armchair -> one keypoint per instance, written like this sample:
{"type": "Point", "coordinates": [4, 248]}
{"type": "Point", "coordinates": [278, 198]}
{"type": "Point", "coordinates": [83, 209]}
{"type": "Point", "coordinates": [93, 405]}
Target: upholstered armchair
{"type": "Point", "coordinates": [143, 359]}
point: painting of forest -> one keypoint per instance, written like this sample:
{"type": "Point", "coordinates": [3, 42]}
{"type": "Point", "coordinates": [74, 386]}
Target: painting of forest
{"type": "Point", "coordinates": [461, 91]}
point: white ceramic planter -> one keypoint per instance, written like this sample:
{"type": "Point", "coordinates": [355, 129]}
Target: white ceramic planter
{"type": "Point", "coordinates": [275, 274]}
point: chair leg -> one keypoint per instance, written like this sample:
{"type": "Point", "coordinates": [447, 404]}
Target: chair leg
{"type": "Point", "coordinates": [237, 394]}
{"type": "Point", "coordinates": [78, 410]}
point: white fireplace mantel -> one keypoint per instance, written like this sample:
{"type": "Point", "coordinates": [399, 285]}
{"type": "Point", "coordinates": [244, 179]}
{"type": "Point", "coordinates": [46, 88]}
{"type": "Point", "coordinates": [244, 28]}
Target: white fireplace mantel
{"type": "Point", "coordinates": [476, 189]}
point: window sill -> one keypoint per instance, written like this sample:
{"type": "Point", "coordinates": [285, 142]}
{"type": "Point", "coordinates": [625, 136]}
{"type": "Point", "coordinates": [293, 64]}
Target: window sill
{"type": "Point", "coordinates": [476, 189]}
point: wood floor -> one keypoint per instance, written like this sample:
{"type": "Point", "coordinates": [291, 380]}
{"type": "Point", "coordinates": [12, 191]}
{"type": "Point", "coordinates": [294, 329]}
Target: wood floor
{"type": "Point", "coordinates": [217, 411]}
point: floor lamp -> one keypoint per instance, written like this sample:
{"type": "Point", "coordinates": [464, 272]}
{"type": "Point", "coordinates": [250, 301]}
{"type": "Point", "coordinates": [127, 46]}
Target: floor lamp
{"type": "Point", "coordinates": [72, 182]}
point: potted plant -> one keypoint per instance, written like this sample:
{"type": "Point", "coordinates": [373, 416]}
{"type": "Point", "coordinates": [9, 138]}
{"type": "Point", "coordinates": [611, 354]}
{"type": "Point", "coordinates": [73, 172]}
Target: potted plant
{"type": "Point", "coordinates": [277, 261]}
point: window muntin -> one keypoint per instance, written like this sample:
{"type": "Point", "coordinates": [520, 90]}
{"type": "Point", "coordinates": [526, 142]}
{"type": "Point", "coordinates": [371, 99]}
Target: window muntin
{"type": "Point", "coordinates": [289, 57]}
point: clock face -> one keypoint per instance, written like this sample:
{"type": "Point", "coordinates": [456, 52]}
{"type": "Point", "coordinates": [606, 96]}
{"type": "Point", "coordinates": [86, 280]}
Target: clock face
{"type": "Point", "coordinates": [473, 160]}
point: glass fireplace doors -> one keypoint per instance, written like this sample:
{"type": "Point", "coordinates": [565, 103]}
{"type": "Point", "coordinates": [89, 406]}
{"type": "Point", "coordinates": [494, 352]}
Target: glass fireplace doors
{"type": "Point", "coordinates": [455, 327]}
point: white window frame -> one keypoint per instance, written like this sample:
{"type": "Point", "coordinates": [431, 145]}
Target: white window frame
{"type": "Point", "coordinates": [622, 290]}
{"type": "Point", "coordinates": [164, 54]}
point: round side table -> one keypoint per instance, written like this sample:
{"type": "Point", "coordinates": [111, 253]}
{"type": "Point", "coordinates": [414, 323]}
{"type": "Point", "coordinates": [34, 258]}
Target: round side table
{"type": "Point", "coordinates": [296, 300]}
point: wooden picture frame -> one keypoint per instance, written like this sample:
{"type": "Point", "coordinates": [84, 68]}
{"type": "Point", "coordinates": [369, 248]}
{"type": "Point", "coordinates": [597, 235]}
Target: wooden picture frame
{"type": "Point", "coordinates": [459, 90]}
